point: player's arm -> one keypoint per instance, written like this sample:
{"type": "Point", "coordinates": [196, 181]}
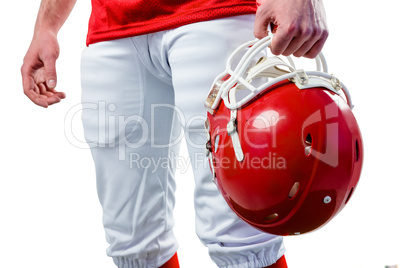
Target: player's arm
{"type": "Point", "coordinates": [39, 68]}
{"type": "Point", "coordinates": [302, 28]}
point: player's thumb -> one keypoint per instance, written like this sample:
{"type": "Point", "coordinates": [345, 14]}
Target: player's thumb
{"type": "Point", "coordinates": [50, 72]}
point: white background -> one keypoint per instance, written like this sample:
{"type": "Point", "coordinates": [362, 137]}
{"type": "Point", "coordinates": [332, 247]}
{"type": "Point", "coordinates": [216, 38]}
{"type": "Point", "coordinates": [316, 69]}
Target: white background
{"type": "Point", "coordinates": [50, 215]}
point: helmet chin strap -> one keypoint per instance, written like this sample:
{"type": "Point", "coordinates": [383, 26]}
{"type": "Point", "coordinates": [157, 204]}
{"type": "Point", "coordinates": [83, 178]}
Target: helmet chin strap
{"type": "Point", "coordinates": [232, 132]}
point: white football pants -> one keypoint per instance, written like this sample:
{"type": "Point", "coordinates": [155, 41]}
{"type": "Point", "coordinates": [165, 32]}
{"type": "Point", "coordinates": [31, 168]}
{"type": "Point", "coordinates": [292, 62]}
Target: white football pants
{"type": "Point", "coordinates": [140, 96]}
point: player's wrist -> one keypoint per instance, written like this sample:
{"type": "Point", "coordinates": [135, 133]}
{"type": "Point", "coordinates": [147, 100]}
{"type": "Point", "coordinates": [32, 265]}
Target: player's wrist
{"type": "Point", "coordinates": [47, 29]}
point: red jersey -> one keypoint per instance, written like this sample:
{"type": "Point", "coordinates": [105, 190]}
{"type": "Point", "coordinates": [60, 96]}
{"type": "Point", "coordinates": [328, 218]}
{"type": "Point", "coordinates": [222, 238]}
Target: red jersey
{"type": "Point", "coordinates": [113, 19]}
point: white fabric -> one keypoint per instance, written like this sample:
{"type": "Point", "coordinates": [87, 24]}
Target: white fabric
{"type": "Point", "coordinates": [138, 95]}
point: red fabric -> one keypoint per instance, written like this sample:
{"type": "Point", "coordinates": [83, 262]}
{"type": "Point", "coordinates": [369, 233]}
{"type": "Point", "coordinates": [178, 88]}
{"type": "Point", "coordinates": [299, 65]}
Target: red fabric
{"type": "Point", "coordinates": [113, 19]}
{"type": "Point", "coordinates": [281, 263]}
{"type": "Point", "coordinates": [172, 263]}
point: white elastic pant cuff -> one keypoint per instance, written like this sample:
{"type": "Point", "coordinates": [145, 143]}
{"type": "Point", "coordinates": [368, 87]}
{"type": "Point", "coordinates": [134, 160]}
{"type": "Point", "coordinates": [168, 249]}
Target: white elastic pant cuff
{"type": "Point", "coordinates": [250, 258]}
{"type": "Point", "coordinates": [135, 261]}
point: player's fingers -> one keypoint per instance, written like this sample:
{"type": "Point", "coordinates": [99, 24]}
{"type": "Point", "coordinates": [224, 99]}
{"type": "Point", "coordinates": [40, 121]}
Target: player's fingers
{"type": "Point", "coordinates": [53, 99]}
{"type": "Point", "coordinates": [35, 98]}
{"type": "Point", "coordinates": [51, 96]}
{"type": "Point", "coordinates": [304, 49]}
{"type": "Point", "coordinates": [315, 49]}
{"type": "Point", "coordinates": [294, 45]}
{"type": "Point", "coordinates": [32, 91]}
{"type": "Point", "coordinates": [262, 20]}
{"type": "Point", "coordinates": [304, 37]}
{"type": "Point", "coordinates": [60, 94]}
{"type": "Point", "coordinates": [36, 89]}
{"type": "Point", "coordinates": [313, 45]}
{"type": "Point", "coordinates": [42, 89]}
{"type": "Point", "coordinates": [49, 99]}
{"type": "Point", "coordinates": [27, 80]}
{"type": "Point", "coordinates": [260, 31]}
{"type": "Point", "coordinates": [281, 40]}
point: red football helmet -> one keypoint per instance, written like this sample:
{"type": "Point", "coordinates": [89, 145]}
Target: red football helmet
{"type": "Point", "coordinates": [284, 147]}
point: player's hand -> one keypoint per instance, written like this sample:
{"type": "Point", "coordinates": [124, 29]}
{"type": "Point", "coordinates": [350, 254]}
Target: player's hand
{"type": "Point", "coordinates": [39, 70]}
{"type": "Point", "coordinates": [301, 26]}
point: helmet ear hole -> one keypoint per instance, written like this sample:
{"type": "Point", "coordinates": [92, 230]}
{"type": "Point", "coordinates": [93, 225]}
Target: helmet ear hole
{"type": "Point", "coordinates": [271, 217]}
{"type": "Point", "coordinates": [308, 144]}
{"type": "Point", "coordinates": [294, 190]}
{"type": "Point", "coordinates": [309, 139]}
